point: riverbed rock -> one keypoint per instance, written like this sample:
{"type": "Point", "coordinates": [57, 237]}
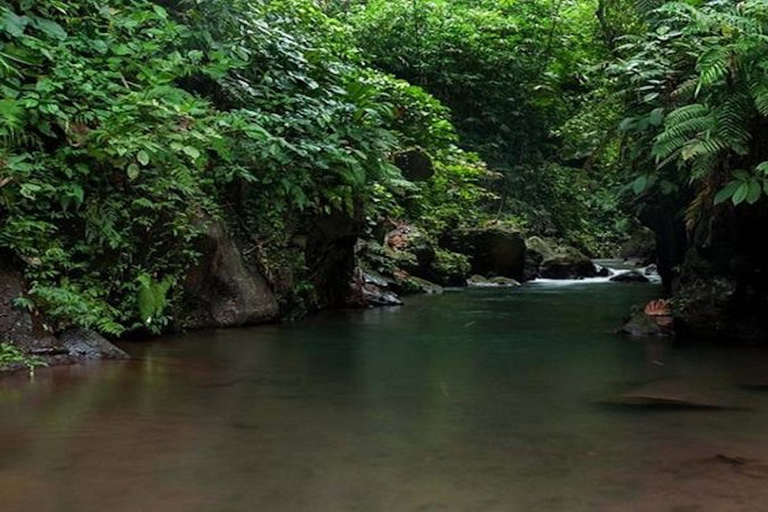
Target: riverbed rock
{"type": "Point", "coordinates": [223, 290]}
{"type": "Point", "coordinates": [537, 249]}
{"type": "Point", "coordinates": [406, 284]}
{"type": "Point", "coordinates": [424, 286]}
{"type": "Point", "coordinates": [411, 250]}
{"type": "Point", "coordinates": [642, 326]}
{"type": "Point", "coordinates": [498, 281]}
{"type": "Point", "coordinates": [494, 250]}
{"type": "Point", "coordinates": [633, 276]}
{"type": "Point", "coordinates": [83, 344]}
{"type": "Point", "coordinates": [371, 289]}
{"type": "Point", "coordinates": [601, 271]}
{"type": "Point", "coordinates": [379, 296]}
{"type": "Point", "coordinates": [674, 393]}
{"type": "Point", "coordinates": [504, 281]}
{"type": "Point", "coordinates": [568, 263]}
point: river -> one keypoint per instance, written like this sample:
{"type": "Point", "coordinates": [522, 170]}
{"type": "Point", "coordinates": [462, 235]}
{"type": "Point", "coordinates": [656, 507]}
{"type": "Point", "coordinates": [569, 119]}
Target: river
{"type": "Point", "coordinates": [476, 400]}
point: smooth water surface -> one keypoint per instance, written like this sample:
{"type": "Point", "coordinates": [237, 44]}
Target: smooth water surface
{"type": "Point", "coordinates": [479, 400]}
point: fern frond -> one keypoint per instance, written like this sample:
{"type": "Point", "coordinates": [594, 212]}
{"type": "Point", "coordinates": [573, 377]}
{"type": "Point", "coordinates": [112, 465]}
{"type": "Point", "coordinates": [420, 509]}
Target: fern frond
{"type": "Point", "coordinates": [713, 65]}
{"type": "Point", "coordinates": [732, 122]}
{"type": "Point", "coordinates": [687, 112]}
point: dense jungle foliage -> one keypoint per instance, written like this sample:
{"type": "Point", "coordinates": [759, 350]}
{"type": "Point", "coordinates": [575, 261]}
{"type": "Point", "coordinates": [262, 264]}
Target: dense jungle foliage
{"type": "Point", "coordinates": [127, 125]}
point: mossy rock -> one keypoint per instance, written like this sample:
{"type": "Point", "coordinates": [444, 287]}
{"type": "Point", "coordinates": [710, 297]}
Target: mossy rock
{"type": "Point", "coordinates": [568, 263]}
{"type": "Point", "coordinates": [494, 250]}
{"type": "Point", "coordinates": [449, 268]}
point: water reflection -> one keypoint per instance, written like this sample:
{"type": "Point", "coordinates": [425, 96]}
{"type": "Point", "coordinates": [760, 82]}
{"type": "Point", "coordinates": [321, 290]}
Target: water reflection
{"type": "Point", "coordinates": [482, 400]}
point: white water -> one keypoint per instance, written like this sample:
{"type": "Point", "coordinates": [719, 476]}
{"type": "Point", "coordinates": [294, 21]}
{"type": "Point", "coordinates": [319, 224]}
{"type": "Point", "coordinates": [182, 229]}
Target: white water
{"type": "Point", "coordinates": [615, 267]}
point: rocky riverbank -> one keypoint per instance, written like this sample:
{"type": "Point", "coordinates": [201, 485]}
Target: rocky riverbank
{"type": "Point", "coordinates": [227, 288]}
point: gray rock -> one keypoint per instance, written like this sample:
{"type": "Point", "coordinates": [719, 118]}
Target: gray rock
{"type": "Point", "coordinates": [83, 344]}
{"type": "Point", "coordinates": [640, 325]}
{"type": "Point", "coordinates": [651, 270]}
{"type": "Point", "coordinates": [379, 297]}
{"type": "Point", "coordinates": [537, 249]}
{"type": "Point", "coordinates": [602, 271]}
{"type": "Point", "coordinates": [568, 263]}
{"type": "Point", "coordinates": [504, 281]}
{"type": "Point", "coordinates": [632, 276]}
{"type": "Point", "coordinates": [223, 290]}
{"type": "Point", "coordinates": [427, 287]}
{"type": "Point", "coordinates": [478, 280]}
{"type": "Point", "coordinates": [376, 279]}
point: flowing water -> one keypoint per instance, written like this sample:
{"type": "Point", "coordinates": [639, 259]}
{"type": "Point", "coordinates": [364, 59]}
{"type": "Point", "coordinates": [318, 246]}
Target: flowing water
{"type": "Point", "coordinates": [479, 400]}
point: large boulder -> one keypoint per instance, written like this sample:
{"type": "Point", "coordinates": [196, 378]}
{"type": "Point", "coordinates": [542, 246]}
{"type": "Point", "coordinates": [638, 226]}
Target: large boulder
{"type": "Point", "coordinates": [567, 263]}
{"type": "Point", "coordinates": [537, 249]}
{"type": "Point", "coordinates": [223, 290]}
{"type": "Point", "coordinates": [84, 344]}
{"type": "Point", "coordinates": [722, 291]}
{"type": "Point", "coordinates": [633, 276]}
{"type": "Point", "coordinates": [494, 250]}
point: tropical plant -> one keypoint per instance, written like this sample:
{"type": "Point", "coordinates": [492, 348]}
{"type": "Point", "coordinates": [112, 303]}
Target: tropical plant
{"type": "Point", "coordinates": [11, 355]}
{"type": "Point", "coordinates": [701, 101]}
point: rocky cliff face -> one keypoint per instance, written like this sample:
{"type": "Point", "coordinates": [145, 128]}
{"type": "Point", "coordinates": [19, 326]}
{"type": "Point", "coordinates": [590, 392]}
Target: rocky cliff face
{"type": "Point", "coordinates": [722, 286]}
{"type": "Point", "coordinates": [717, 272]}
{"type": "Point", "coordinates": [330, 257]}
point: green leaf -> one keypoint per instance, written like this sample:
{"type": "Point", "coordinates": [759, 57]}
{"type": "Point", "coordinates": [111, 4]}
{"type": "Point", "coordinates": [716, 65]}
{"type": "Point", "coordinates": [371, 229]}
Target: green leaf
{"type": "Point", "coordinates": [143, 158]}
{"type": "Point", "coordinates": [741, 193]}
{"type": "Point", "coordinates": [13, 24]}
{"type": "Point", "coordinates": [727, 192]}
{"type": "Point", "coordinates": [49, 28]}
{"type": "Point", "coordinates": [192, 152]}
{"type": "Point", "coordinates": [650, 97]}
{"type": "Point", "coordinates": [755, 191]}
{"type": "Point", "coordinates": [133, 172]}
{"type": "Point", "coordinates": [627, 124]}
{"type": "Point", "coordinates": [656, 117]}
{"type": "Point", "coordinates": [640, 184]}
